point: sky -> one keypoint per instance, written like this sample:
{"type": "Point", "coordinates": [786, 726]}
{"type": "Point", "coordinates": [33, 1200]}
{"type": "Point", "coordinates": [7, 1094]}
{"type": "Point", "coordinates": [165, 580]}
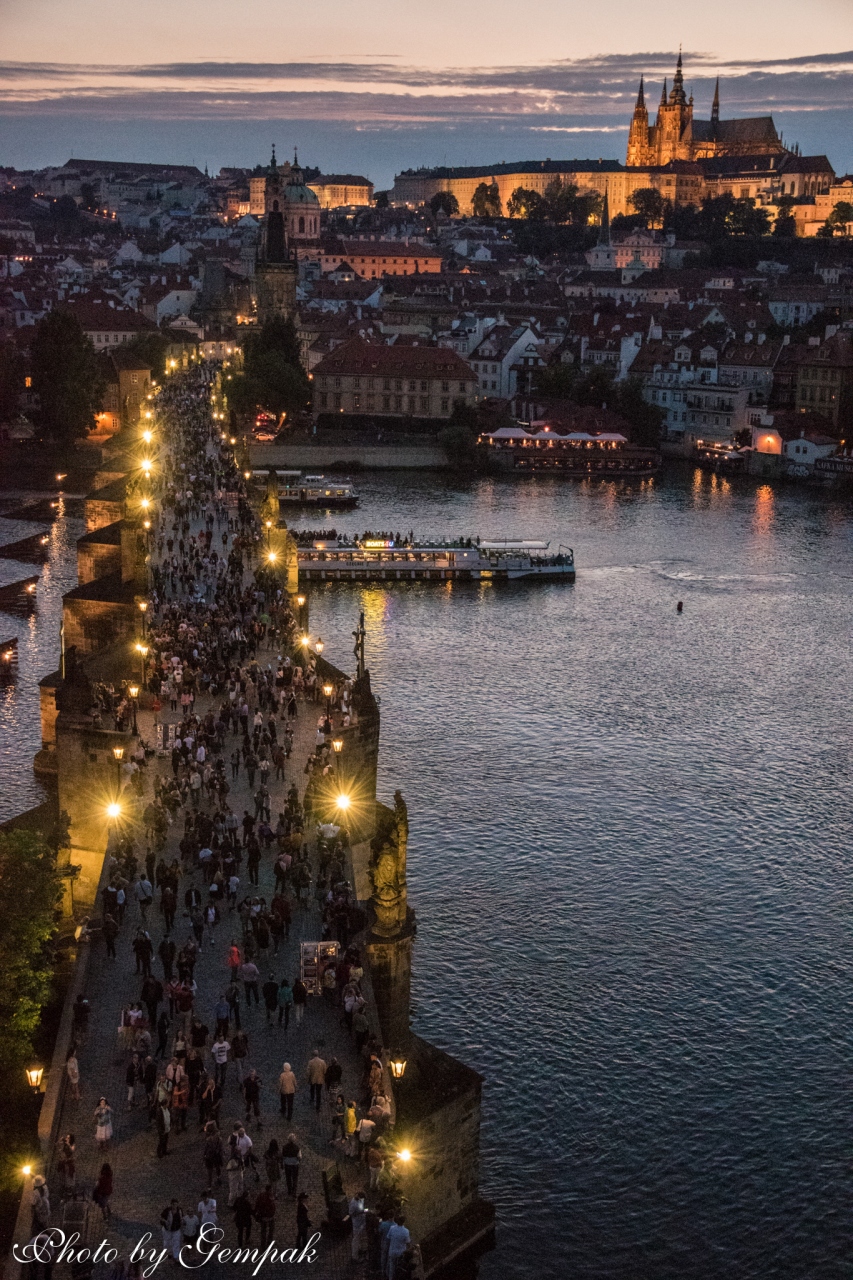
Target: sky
{"type": "Point", "coordinates": [374, 87]}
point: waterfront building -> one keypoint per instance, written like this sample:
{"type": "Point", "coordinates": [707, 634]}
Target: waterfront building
{"type": "Point", "coordinates": [392, 382]}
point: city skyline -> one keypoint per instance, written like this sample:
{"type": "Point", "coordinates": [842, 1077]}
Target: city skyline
{"type": "Point", "coordinates": [394, 90]}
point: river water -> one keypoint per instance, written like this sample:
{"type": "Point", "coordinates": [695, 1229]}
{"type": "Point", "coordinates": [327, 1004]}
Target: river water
{"type": "Point", "coordinates": [630, 858]}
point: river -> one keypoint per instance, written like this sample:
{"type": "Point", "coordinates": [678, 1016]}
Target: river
{"type": "Point", "coordinates": [630, 857]}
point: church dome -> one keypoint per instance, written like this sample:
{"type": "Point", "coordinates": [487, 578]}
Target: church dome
{"type": "Point", "coordinates": [296, 192]}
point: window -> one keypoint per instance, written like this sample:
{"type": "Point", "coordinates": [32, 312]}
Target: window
{"type": "Point", "coordinates": [424, 404]}
{"type": "Point", "coordinates": [134, 378]}
{"type": "Point", "coordinates": [463, 387]}
{"type": "Point", "coordinates": [337, 382]}
{"type": "Point", "coordinates": [398, 385]}
{"type": "Point", "coordinates": [398, 402]}
{"type": "Point", "coordinates": [424, 386]}
{"type": "Point", "coordinates": [386, 402]}
{"type": "Point", "coordinates": [445, 406]}
{"type": "Point", "coordinates": [386, 384]}
{"type": "Point", "coordinates": [324, 399]}
{"type": "Point", "coordinates": [356, 401]}
{"type": "Point", "coordinates": [301, 224]}
{"type": "Point", "coordinates": [411, 386]}
{"type": "Point", "coordinates": [337, 401]}
{"type": "Point", "coordinates": [322, 382]}
{"type": "Point", "coordinates": [370, 401]}
{"type": "Point", "coordinates": [370, 384]}
{"type": "Point", "coordinates": [411, 404]}
{"type": "Point", "coordinates": [356, 382]}
{"type": "Point", "coordinates": [445, 386]}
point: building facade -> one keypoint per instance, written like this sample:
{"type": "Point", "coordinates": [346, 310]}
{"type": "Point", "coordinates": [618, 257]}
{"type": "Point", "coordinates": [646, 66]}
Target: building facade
{"type": "Point", "coordinates": [363, 378]}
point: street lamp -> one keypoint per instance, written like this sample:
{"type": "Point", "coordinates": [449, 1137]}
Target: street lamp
{"type": "Point", "coordinates": [343, 802]}
{"type": "Point", "coordinates": [337, 747]}
{"type": "Point", "coordinates": [114, 811]}
{"type": "Point", "coordinates": [133, 690]}
{"type": "Point", "coordinates": [143, 605]}
{"type": "Point", "coordinates": [397, 1064]}
{"type": "Point", "coordinates": [328, 690]}
{"type": "Point", "coordinates": [319, 646]}
{"type": "Point", "coordinates": [142, 650]}
{"type": "Point", "coordinates": [301, 601]}
{"type": "Point", "coordinates": [271, 557]}
{"type": "Point", "coordinates": [118, 752]}
{"type": "Point", "coordinates": [34, 1075]}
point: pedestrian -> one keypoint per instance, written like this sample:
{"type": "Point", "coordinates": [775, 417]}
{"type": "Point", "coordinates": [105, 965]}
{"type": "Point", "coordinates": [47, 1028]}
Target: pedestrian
{"type": "Point", "coordinates": [284, 999]}
{"type": "Point", "coordinates": [287, 1090]}
{"type": "Point", "coordinates": [350, 1126]}
{"type": "Point", "coordinates": [220, 1049]}
{"type": "Point", "coordinates": [240, 1052]}
{"type": "Point", "coordinates": [303, 1222]}
{"type": "Point", "coordinates": [375, 1164]}
{"type": "Point", "coordinates": [252, 1094]}
{"type": "Point", "coordinates": [338, 1113]}
{"type": "Point", "coordinates": [164, 1125]}
{"type": "Point", "coordinates": [103, 1190]}
{"type": "Point", "coordinates": [72, 1070]}
{"type": "Point", "coordinates": [103, 1123]}
{"type": "Point", "coordinates": [366, 1130]}
{"type": "Point", "coordinates": [300, 999]}
{"type": "Point", "coordinates": [272, 1162]}
{"type": "Point", "coordinates": [234, 1173]}
{"type": "Point", "coordinates": [316, 1079]}
{"type": "Point", "coordinates": [39, 1206]}
{"type": "Point", "coordinates": [269, 991]}
{"type": "Point", "coordinates": [398, 1242]}
{"type": "Point", "coordinates": [357, 1213]}
{"type": "Point", "coordinates": [265, 1214]}
{"type": "Point", "coordinates": [212, 1153]}
{"type": "Point", "coordinates": [291, 1159]}
{"type": "Point", "coordinates": [190, 1224]}
{"type": "Point", "coordinates": [243, 1218]}
{"type": "Point", "coordinates": [250, 974]}
{"type": "Point", "coordinates": [171, 1220]}
{"type": "Point", "coordinates": [66, 1163]}
{"type": "Point", "coordinates": [109, 930]}
{"type": "Point", "coordinates": [207, 1210]}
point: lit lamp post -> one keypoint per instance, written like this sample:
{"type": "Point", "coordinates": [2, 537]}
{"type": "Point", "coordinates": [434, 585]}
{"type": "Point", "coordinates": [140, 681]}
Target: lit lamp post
{"type": "Point", "coordinates": [301, 600]}
{"type": "Point", "coordinates": [133, 691]}
{"type": "Point", "coordinates": [268, 524]}
{"type": "Point", "coordinates": [319, 646]}
{"type": "Point", "coordinates": [337, 747]}
{"type": "Point", "coordinates": [142, 650]}
{"type": "Point", "coordinates": [34, 1076]}
{"type": "Point", "coordinates": [143, 606]}
{"type": "Point", "coordinates": [113, 811]}
{"type": "Point", "coordinates": [328, 690]}
{"type": "Point", "coordinates": [118, 752]}
{"type": "Point", "coordinates": [397, 1064]}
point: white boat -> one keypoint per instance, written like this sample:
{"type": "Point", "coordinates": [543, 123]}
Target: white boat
{"type": "Point", "coordinates": [501, 560]}
{"type": "Point", "coordinates": [298, 490]}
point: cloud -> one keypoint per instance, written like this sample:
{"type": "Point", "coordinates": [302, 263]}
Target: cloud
{"type": "Point", "coordinates": [589, 94]}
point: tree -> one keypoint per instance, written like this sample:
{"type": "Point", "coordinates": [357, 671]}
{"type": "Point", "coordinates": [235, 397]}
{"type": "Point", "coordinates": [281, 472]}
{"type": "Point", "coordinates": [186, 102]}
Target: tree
{"type": "Point", "coordinates": [785, 224]}
{"type": "Point", "coordinates": [524, 203]}
{"type": "Point", "coordinates": [459, 438]}
{"type": "Point", "coordinates": [272, 377]}
{"type": "Point", "coordinates": [649, 204]}
{"type": "Point", "coordinates": [486, 201]}
{"type": "Point", "coordinates": [66, 377]}
{"type": "Point", "coordinates": [29, 899]}
{"type": "Point", "coordinates": [836, 223]}
{"type": "Point", "coordinates": [444, 202]}
{"type": "Point", "coordinates": [382, 200]}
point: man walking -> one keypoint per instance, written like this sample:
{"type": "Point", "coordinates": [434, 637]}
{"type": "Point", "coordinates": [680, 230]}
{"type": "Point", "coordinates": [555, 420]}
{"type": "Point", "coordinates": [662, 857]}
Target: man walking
{"type": "Point", "coordinates": [316, 1079]}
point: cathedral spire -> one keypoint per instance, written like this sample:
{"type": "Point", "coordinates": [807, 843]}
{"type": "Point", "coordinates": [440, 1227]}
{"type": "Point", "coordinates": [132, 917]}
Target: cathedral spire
{"type": "Point", "coordinates": [677, 94]}
{"type": "Point", "coordinates": [663, 94]}
{"type": "Point", "coordinates": [715, 105]}
{"type": "Point", "coordinates": [641, 97]}
{"type": "Point", "coordinates": [273, 165]}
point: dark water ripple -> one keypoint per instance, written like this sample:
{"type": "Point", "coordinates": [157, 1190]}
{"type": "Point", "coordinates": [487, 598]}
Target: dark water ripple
{"type": "Point", "coordinates": [630, 856]}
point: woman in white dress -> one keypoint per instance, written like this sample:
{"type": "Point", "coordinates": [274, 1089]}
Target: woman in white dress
{"type": "Point", "coordinates": [103, 1123]}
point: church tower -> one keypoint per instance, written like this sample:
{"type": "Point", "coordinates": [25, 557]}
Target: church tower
{"type": "Point", "coordinates": [674, 126]}
{"type": "Point", "coordinates": [638, 135]}
{"type": "Point", "coordinates": [276, 271]}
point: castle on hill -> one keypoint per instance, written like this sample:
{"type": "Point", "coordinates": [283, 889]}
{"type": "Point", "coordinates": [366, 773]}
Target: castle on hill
{"type": "Point", "coordinates": [678, 135]}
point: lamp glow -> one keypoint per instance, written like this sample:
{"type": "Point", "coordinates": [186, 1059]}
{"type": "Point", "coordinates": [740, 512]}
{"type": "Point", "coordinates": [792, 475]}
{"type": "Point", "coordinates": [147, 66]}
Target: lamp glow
{"type": "Point", "coordinates": [113, 810]}
{"type": "Point", "coordinates": [118, 752]}
{"type": "Point", "coordinates": [343, 801]}
{"type": "Point", "coordinates": [34, 1075]}
{"type": "Point", "coordinates": [337, 745]}
{"type": "Point", "coordinates": [404, 1155]}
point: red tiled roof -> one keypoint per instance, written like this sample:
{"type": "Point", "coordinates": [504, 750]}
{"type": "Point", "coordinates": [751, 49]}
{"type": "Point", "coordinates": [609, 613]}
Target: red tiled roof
{"type": "Point", "coordinates": [376, 359]}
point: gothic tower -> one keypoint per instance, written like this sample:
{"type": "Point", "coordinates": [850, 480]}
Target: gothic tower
{"type": "Point", "coordinates": [276, 271]}
{"type": "Point", "coordinates": [638, 135]}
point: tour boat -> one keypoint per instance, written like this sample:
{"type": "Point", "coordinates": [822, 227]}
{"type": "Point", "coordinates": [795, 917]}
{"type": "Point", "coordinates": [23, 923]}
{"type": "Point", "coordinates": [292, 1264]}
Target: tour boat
{"type": "Point", "coordinates": [298, 490]}
{"type": "Point", "coordinates": [497, 560]}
